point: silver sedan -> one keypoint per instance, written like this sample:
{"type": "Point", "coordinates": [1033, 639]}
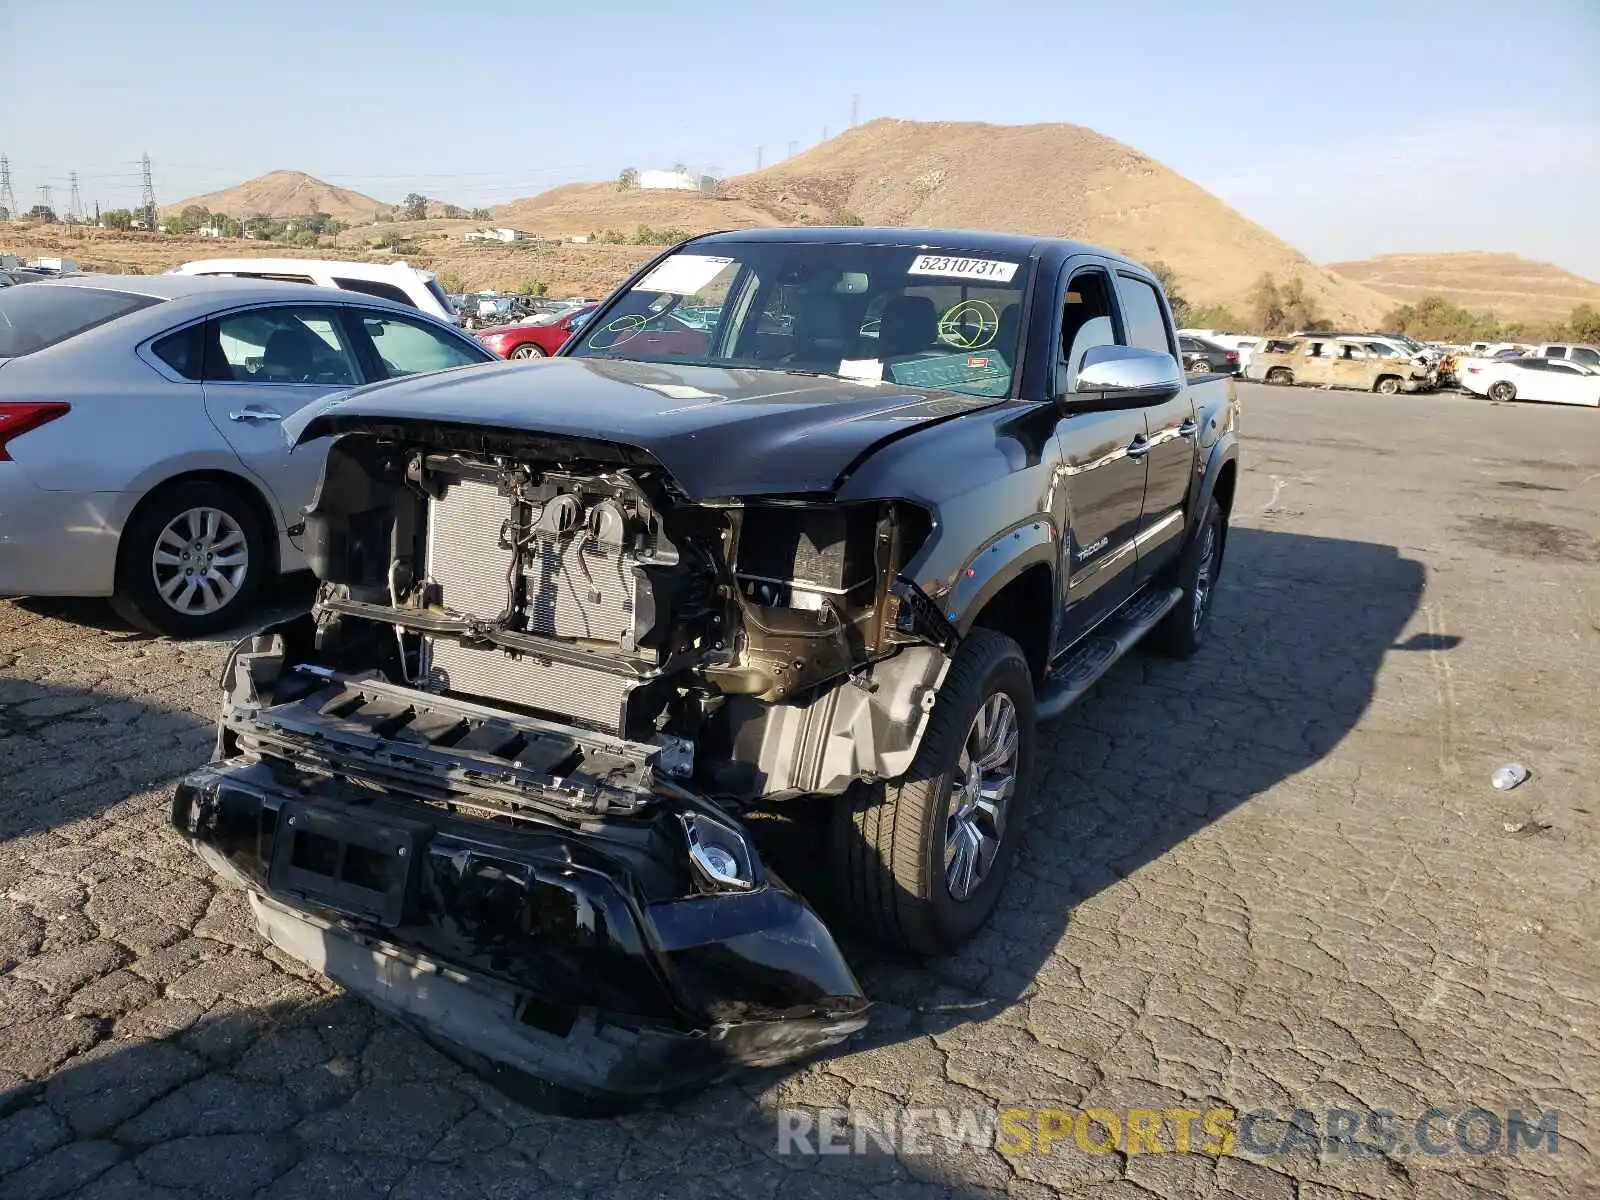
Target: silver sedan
{"type": "Point", "coordinates": [140, 456]}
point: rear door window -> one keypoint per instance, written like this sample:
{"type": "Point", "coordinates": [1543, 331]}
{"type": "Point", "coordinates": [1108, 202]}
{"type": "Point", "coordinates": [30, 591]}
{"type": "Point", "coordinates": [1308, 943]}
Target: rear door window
{"type": "Point", "coordinates": [1145, 322]}
{"type": "Point", "coordinates": [35, 318]}
{"type": "Point", "coordinates": [281, 345]}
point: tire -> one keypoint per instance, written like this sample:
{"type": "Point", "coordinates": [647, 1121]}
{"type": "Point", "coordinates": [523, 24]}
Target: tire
{"type": "Point", "coordinates": [1387, 386]}
{"type": "Point", "coordinates": [1200, 366]}
{"type": "Point", "coordinates": [527, 350]}
{"type": "Point", "coordinates": [230, 580]}
{"type": "Point", "coordinates": [1183, 630]}
{"type": "Point", "coordinates": [890, 839]}
{"type": "Point", "coordinates": [1281, 376]}
{"type": "Point", "coordinates": [1502, 391]}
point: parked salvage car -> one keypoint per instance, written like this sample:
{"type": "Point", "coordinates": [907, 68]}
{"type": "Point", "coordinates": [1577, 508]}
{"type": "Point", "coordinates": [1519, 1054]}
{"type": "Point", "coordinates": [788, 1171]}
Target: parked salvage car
{"type": "Point", "coordinates": [579, 620]}
{"type": "Point", "coordinates": [1552, 380]}
{"type": "Point", "coordinates": [1344, 362]}
{"type": "Point", "coordinates": [140, 450]}
{"type": "Point", "coordinates": [534, 338]}
{"type": "Point", "coordinates": [1203, 357]}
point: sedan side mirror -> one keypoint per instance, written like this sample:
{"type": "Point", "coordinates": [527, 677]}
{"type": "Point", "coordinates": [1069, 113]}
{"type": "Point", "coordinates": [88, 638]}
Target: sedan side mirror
{"type": "Point", "coordinates": [1123, 377]}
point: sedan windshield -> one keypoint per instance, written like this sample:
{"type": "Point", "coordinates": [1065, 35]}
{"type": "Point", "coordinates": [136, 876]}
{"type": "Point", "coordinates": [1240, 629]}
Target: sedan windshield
{"type": "Point", "coordinates": [935, 319]}
{"type": "Point", "coordinates": [33, 318]}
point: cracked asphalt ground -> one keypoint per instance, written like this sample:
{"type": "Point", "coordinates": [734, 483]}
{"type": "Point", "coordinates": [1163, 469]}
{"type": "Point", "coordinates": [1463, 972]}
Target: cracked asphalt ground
{"type": "Point", "coordinates": [1275, 876]}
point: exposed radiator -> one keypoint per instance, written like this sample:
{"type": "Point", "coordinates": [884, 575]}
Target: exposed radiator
{"type": "Point", "coordinates": [573, 589]}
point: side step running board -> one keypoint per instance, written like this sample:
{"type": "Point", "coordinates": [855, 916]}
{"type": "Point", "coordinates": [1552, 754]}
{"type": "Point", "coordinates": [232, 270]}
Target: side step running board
{"type": "Point", "coordinates": [1075, 674]}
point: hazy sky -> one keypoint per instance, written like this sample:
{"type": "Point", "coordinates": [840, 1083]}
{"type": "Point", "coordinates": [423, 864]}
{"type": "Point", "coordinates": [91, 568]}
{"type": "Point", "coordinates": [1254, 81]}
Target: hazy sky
{"type": "Point", "coordinates": [1348, 129]}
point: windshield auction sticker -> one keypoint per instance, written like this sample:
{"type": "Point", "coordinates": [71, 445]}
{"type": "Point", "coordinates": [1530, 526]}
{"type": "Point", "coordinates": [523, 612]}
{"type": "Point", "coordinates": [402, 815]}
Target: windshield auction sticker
{"type": "Point", "coordinates": [684, 274]}
{"type": "Point", "coordinates": [963, 268]}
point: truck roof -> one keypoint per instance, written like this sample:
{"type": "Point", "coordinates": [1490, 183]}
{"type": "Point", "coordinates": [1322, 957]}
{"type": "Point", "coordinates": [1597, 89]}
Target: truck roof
{"type": "Point", "coordinates": [982, 241]}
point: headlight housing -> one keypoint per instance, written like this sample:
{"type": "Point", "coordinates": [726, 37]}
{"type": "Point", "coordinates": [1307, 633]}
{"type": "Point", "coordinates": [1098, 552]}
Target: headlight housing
{"type": "Point", "coordinates": [720, 855]}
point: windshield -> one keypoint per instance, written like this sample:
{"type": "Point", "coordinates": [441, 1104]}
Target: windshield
{"type": "Point", "coordinates": [33, 318]}
{"type": "Point", "coordinates": [907, 316]}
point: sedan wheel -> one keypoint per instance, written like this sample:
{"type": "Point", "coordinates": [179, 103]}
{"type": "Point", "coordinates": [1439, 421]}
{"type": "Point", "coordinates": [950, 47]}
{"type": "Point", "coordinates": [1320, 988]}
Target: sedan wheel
{"type": "Point", "coordinates": [1200, 367]}
{"type": "Point", "coordinates": [527, 350]}
{"type": "Point", "coordinates": [1503, 390]}
{"type": "Point", "coordinates": [200, 561]}
{"type": "Point", "coordinates": [191, 560]}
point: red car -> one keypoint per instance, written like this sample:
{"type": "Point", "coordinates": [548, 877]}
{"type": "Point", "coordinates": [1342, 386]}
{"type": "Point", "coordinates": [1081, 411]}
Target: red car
{"type": "Point", "coordinates": [533, 341]}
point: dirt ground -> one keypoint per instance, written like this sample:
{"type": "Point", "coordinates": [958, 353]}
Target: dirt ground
{"type": "Point", "coordinates": [1274, 877]}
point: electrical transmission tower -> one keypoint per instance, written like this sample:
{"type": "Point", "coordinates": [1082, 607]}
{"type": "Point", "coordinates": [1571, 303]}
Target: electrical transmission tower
{"type": "Point", "coordinates": [855, 110]}
{"type": "Point", "coordinates": [44, 199]}
{"type": "Point", "coordinates": [147, 196]}
{"type": "Point", "coordinates": [75, 202]}
{"type": "Point", "coordinates": [8, 199]}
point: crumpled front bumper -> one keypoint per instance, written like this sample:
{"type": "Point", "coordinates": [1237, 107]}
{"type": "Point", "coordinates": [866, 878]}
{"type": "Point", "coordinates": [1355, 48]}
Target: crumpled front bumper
{"type": "Point", "coordinates": [554, 958]}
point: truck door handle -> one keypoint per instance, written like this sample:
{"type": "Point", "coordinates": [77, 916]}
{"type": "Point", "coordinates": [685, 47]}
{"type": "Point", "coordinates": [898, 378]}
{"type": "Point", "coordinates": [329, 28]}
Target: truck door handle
{"type": "Point", "coordinates": [1139, 447]}
{"type": "Point", "coordinates": [1187, 428]}
{"type": "Point", "coordinates": [254, 414]}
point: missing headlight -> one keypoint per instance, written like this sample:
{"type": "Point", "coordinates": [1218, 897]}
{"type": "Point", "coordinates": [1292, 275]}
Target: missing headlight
{"type": "Point", "coordinates": [719, 853]}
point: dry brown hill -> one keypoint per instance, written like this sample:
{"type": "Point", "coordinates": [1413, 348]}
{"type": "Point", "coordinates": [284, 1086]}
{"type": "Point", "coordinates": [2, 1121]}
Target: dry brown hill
{"type": "Point", "coordinates": [1511, 287]}
{"type": "Point", "coordinates": [286, 194]}
{"type": "Point", "coordinates": [579, 208]}
{"type": "Point", "coordinates": [1055, 179]}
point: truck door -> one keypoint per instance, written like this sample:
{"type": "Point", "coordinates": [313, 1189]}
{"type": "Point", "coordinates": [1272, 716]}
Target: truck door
{"type": "Point", "coordinates": [1169, 433]}
{"type": "Point", "coordinates": [1102, 472]}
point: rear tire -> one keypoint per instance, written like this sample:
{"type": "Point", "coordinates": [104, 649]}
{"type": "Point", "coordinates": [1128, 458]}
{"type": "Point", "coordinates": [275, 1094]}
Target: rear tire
{"type": "Point", "coordinates": [1281, 376]}
{"type": "Point", "coordinates": [527, 350]}
{"type": "Point", "coordinates": [1502, 391]}
{"type": "Point", "coordinates": [1200, 366]}
{"type": "Point", "coordinates": [200, 543]}
{"type": "Point", "coordinates": [1183, 630]}
{"type": "Point", "coordinates": [1387, 386]}
{"type": "Point", "coordinates": [898, 846]}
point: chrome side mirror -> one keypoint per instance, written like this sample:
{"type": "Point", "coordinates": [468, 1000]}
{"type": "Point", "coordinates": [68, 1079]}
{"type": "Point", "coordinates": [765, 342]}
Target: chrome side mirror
{"type": "Point", "coordinates": [1123, 377]}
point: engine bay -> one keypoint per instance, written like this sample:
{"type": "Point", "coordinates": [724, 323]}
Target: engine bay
{"type": "Point", "coordinates": [576, 589]}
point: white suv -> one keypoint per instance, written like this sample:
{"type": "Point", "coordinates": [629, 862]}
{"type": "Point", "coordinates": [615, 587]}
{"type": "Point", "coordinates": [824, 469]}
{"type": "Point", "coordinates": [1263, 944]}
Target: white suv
{"type": "Point", "coordinates": [399, 282]}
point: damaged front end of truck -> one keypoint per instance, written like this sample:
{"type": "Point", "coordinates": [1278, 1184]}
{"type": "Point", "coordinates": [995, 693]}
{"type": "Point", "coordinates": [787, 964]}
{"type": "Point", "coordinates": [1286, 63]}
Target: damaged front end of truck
{"type": "Point", "coordinates": [494, 781]}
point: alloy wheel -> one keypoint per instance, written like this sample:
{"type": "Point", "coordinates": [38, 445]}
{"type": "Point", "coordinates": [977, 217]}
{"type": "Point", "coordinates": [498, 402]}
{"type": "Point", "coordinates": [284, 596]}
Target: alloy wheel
{"type": "Point", "coordinates": [200, 561]}
{"type": "Point", "coordinates": [980, 792]}
{"type": "Point", "coordinates": [1204, 573]}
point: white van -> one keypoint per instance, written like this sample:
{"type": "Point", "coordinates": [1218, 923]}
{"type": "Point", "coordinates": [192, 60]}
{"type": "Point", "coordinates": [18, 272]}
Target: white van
{"type": "Point", "coordinates": [399, 282]}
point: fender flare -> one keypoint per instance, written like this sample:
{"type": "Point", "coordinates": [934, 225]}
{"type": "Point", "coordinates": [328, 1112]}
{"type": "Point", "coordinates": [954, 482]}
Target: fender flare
{"type": "Point", "coordinates": [1225, 450]}
{"type": "Point", "coordinates": [999, 561]}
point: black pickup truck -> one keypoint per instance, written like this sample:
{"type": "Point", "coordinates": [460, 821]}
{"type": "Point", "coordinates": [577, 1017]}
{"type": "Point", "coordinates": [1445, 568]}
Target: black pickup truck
{"type": "Point", "coordinates": [801, 514]}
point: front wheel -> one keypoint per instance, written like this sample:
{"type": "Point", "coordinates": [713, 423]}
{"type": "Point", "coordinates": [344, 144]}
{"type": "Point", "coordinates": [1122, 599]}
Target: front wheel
{"type": "Point", "coordinates": [1503, 391]}
{"type": "Point", "coordinates": [191, 561]}
{"type": "Point", "coordinates": [1388, 386]}
{"type": "Point", "coordinates": [1183, 630]}
{"type": "Point", "coordinates": [919, 862]}
{"type": "Point", "coordinates": [527, 350]}
{"type": "Point", "coordinates": [1280, 375]}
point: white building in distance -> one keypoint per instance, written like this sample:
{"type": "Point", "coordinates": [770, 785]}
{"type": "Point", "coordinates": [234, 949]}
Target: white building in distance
{"type": "Point", "coordinates": [680, 181]}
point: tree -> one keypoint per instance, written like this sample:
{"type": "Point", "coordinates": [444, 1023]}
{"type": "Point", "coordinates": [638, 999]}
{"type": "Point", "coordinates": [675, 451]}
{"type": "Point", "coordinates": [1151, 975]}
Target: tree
{"type": "Point", "coordinates": [1169, 283]}
{"type": "Point", "coordinates": [627, 179]}
{"type": "Point", "coordinates": [1584, 323]}
{"type": "Point", "coordinates": [480, 214]}
{"type": "Point", "coordinates": [41, 212]}
{"type": "Point", "coordinates": [533, 287]}
{"type": "Point", "coordinates": [1266, 305]}
{"type": "Point", "coordinates": [415, 207]}
{"type": "Point", "coordinates": [1433, 318]}
{"type": "Point", "coordinates": [117, 218]}
{"type": "Point", "coordinates": [1299, 306]}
